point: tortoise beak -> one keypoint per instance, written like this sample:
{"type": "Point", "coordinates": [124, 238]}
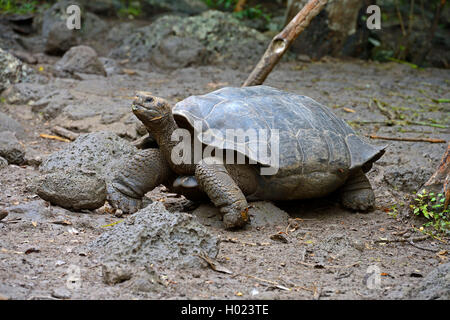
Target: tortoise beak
{"type": "Point", "coordinates": [140, 110]}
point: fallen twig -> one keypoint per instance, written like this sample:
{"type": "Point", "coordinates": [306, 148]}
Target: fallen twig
{"type": "Point", "coordinates": [321, 266]}
{"type": "Point", "coordinates": [387, 113]}
{"type": "Point", "coordinates": [402, 240]}
{"type": "Point", "coordinates": [430, 140]}
{"type": "Point", "coordinates": [421, 248]}
{"type": "Point", "coordinates": [66, 133]}
{"type": "Point", "coordinates": [51, 137]}
{"type": "Point", "coordinates": [275, 284]}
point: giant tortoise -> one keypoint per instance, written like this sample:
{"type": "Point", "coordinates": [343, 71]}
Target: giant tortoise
{"type": "Point", "coordinates": [318, 152]}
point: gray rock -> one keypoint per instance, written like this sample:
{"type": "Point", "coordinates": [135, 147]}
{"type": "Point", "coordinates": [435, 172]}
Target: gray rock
{"type": "Point", "coordinates": [12, 70]}
{"type": "Point", "coordinates": [9, 124]}
{"type": "Point", "coordinates": [435, 286]}
{"type": "Point", "coordinates": [114, 272]}
{"type": "Point", "coordinates": [155, 236]}
{"type": "Point", "coordinates": [405, 178]}
{"type": "Point", "coordinates": [53, 103]}
{"type": "Point", "coordinates": [111, 66]}
{"type": "Point", "coordinates": [101, 7]}
{"type": "Point", "coordinates": [177, 52]}
{"type": "Point", "coordinates": [264, 213]}
{"type": "Point", "coordinates": [3, 163]}
{"type": "Point", "coordinates": [73, 189]}
{"type": "Point", "coordinates": [81, 111]}
{"type": "Point", "coordinates": [92, 26]}
{"type": "Point", "coordinates": [35, 210]}
{"type": "Point", "coordinates": [75, 177]}
{"type": "Point", "coordinates": [23, 93]}
{"type": "Point", "coordinates": [152, 7]}
{"type": "Point", "coordinates": [224, 38]}
{"type": "Point", "coordinates": [97, 152]}
{"type": "Point", "coordinates": [10, 148]}
{"type": "Point", "coordinates": [82, 59]}
{"type": "Point", "coordinates": [61, 293]}
{"type": "Point", "coordinates": [60, 38]}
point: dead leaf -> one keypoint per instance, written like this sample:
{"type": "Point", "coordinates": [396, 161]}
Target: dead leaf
{"type": "Point", "coordinates": [31, 250]}
{"type": "Point", "coordinates": [63, 222]}
{"type": "Point", "coordinates": [348, 110]}
{"type": "Point", "coordinates": [129, 72]}
{"type": "Point", "coordinates": [279, 237]}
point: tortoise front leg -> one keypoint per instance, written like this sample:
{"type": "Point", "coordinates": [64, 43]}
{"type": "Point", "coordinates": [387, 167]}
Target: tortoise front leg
{"type": "Point", "coordinates": [223, 191]}
{"type": "Point", "coordinates": [135, 177]}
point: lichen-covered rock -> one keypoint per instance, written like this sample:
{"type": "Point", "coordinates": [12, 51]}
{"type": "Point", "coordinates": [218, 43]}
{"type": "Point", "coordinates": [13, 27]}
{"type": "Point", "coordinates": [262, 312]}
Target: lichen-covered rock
{"type": "Point", "coordinates": [94, 152]}
{"type": "Point", "coordinates": [155, 236]}
{"type": "Point", "coordinates": [177, 52]}
{"type": "Point", "coordinates": [3, 163]}
{"type": "Point", "coordinates": [12, 70]}
{"type": "Point", "coordinates": [152, 7]}
{"type": "Point", "coordinates": [23, 93]}
{"type": "Point", "coordinates": [73, 189]}
{"type": "Point", "coordinates": [10, 148]}
{"type": "Point", "coordinates": [224, 38]}
{"type": "Point", "coordinates": [82, 59]}
{"type": "Point", "coordinates": [76, 176]}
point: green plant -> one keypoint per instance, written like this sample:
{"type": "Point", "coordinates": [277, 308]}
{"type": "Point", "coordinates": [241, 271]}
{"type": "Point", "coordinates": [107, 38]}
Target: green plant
{"type": "Point", "coordinates": [130, 9]}
{"type": "Point", "coordinates": [18, 7]}
{"type": "Point", "coordinates": [255, 12]}
{"type": "Point", "coordinates": [431, 206]}
{"type": "Point", "coordinates": [219, 4]}
{"type": "Point", "coordinates": [250, 12]}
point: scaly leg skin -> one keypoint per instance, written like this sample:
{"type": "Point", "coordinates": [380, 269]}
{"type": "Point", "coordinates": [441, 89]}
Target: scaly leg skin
{"type": "Point", "coordinates": [135, 177]}
{"type": "Point", "coordinates": [223, 191]}
{"type": "Point", "coordinates": [357, 193]}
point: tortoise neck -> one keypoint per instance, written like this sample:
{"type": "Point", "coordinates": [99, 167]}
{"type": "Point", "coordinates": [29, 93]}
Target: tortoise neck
{"type": "Point", "coordinates": [163, 130]}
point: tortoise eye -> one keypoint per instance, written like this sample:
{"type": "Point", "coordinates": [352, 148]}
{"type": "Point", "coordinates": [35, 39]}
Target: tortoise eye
{"type": "Point", "coordinates": [149, 99]}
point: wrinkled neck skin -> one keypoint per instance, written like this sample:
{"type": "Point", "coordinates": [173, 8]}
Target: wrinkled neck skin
{"type": "Point", "coordinates": [162, 130]}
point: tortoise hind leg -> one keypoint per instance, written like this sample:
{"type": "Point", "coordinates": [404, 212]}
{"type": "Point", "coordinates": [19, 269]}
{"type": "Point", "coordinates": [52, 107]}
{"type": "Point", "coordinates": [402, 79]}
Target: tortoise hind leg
{"type": "Point", "coordinates": [357, 193]}
{"type": "Point", "coordinates": [215, 180]}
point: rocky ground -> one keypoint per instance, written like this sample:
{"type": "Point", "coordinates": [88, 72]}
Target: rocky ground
{"type": "Point", "coordinates": [177, 249]}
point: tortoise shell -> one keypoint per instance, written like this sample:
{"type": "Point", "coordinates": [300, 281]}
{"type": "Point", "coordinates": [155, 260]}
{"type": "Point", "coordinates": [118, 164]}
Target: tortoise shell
{"type": "Point", "coordinates": [311, 137]}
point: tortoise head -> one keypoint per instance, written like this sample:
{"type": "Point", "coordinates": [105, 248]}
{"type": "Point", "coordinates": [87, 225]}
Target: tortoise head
{"type": "Point", "coordinates": [150, 109]}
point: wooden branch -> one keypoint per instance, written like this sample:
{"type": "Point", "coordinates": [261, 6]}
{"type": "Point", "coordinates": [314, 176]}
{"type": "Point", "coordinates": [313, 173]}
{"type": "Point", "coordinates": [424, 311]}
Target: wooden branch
{"type": "Point", "coordinates": [372, 136]}
{"type": "Point", "coordinates": [281, 42]}
{"type": "Point", "coordinates": [239, 6]}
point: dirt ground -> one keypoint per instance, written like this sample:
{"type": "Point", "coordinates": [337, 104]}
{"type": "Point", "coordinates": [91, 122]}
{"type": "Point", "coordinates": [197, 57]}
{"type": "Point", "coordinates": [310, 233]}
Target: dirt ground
{"type": "Point", "coordinates": [325, 252]}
